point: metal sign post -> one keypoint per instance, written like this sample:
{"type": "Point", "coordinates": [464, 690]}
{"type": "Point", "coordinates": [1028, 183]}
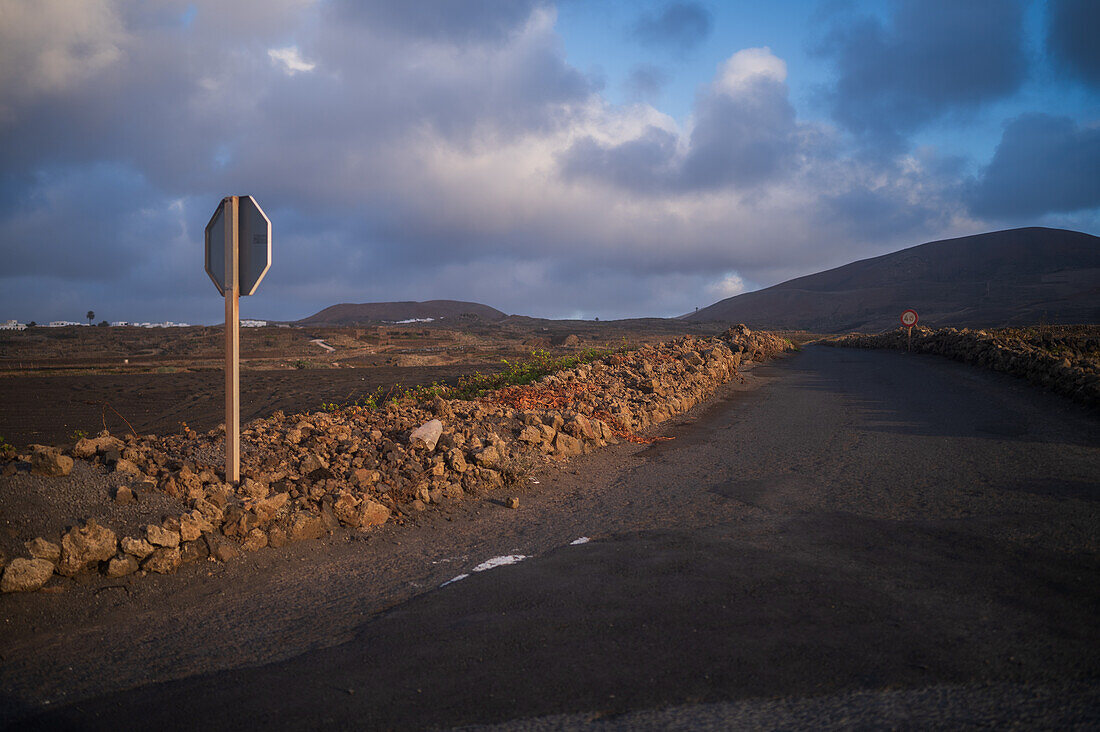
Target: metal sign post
{"type": "Point", "coordinates": [909, 319]}
{"type": "Point", "coordinates": [238, 255]}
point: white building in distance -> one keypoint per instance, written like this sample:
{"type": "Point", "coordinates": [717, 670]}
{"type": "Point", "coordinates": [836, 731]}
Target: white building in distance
{"type": "Point", "coordinates": [246, 323]}
{"type": "Point", "coordinates": [12, 325]}
{"type": "Point", "coordinates": [165, 324]}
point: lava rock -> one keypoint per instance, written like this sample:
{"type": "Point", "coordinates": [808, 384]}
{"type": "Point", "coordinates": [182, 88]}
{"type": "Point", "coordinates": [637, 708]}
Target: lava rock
{"type": "Point", "coordinates": [85, 546]}
{"type": "Point", "coordinates": [26, 575]}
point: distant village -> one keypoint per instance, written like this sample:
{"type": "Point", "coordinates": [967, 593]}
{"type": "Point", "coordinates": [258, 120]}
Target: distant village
{"type": "Point", "coordinates": [16, 325]}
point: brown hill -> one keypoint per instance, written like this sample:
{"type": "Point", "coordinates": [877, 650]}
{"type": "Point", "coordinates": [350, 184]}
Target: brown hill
{"type": "Point", "coordinates": [393, 312]}
{"type": "Point", "coordinates": [1017, 277]}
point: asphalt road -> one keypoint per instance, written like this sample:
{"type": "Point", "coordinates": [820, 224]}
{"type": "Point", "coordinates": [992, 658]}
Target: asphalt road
{"type": "Point", "coordinates": [867, 539]}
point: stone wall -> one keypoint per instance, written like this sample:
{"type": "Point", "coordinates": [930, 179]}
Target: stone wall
{"type": "Point", "coordinates": [307, 474]}
{"type": "Point", "coordinates": [1063, 359]}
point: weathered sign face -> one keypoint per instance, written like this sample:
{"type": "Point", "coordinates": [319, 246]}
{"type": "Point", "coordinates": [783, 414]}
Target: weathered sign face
{"type": "Point", "coordinates": [255, 244]}
{"type": "Point", "coordinates": [253, 241]}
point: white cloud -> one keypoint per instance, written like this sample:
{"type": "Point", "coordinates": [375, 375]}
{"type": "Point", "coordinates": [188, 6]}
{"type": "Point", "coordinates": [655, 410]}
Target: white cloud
{"type": "Point", "coordinates": [748, 66]}
{"type": "Point", "coordinates": [290, 59]}
{"type": "Point", "coordinates": [731, 284]}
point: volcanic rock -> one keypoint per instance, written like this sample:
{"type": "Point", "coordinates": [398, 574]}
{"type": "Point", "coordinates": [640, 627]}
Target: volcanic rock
{"type": "Point", "coordinates": [136, 547]}
{"type": "Point", "coordinates": [158, 536]}
{"type": "Point", "coordinates": [277, 537]}
{"type": "Point", "coordinates": [124, 466]}
{"type": "Point", "coordinates": [567, 446]}
{"type": "Point", "coordinates": [84, 546]}
{"type": "Point", "coordinates": [372, 513]}
{"type": "Point", "coordinates": [193, 524]}
{"type": "Point", "coordinates": [305, 526]}
{"type": "Point", "coordinates": [220, 549]}
{"type": "Point", "coordinates": [26, 575]}
{"type": "Point", "coordinates": [122, 566]}
{"type": "Point", "coordinates": [531, 435]}
{"type": "Point", "coordinates": [487, 457]}
{"type": "Point", "coordinates": [266, 509]}
{"type": "Point", "coordinates": [163, 560]}
{"type": "Point", "coordinates": [456, 460]}
{"type": "Point", "coordinates": [39, 548]}
{"type": "Point", "coordinates": [50, 462]}
{"type": "Point", "coordinates": [255, 540]}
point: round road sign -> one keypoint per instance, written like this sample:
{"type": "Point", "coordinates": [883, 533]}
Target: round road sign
{"type": "Point", "coordinates": [909, 318]}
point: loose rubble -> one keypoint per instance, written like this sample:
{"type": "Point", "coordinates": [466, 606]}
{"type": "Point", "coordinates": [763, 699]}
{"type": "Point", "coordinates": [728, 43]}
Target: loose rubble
{"type": "Point", "coordinates": [305, 475]}
{"type": "Point", "coordinates": [1065, 359]}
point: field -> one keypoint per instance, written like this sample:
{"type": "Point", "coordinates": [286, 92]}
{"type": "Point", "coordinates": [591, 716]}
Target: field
{"type": "Point", "coordinates": [59, 383]}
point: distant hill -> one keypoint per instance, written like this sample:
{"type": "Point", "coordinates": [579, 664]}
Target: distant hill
{"type": "Point", "coordinates": [394, 312]}
{"type": "Point", "coordinates": [1016, 277]}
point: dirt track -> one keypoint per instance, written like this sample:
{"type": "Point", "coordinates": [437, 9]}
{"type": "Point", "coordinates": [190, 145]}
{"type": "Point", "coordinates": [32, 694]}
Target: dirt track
{"type": "Point", "coordinates": [49, 409]}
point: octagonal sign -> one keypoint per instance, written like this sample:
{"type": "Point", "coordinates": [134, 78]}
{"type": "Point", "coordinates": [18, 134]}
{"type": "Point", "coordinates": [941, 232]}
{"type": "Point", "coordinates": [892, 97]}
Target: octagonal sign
{"type": "Point", "coordinates": [253, 242]}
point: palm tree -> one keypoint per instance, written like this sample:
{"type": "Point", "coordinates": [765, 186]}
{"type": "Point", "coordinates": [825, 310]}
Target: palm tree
{"type": "Point", "coordinates": [90, 316]}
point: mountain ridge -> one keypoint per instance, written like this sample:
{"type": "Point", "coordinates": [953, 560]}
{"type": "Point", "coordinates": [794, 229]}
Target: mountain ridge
{"type": "Point", "coordinates": [398, 311]}
{"type": "Point", "coordinates": [1019, 276]}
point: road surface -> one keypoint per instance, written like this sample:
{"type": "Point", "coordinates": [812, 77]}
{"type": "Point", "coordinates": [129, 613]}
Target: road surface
{"type": "Point", "coordinates": [862, 538]}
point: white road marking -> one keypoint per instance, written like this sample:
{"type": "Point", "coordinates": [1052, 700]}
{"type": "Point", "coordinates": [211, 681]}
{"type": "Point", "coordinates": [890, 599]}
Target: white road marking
{"type": "Point", "coordinates": [489, 564]}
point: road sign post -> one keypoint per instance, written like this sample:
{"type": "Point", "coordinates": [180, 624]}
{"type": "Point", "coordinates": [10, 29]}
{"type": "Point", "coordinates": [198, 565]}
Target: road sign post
{"type": "Point", "coordinates": [909, 319]}
{"type": "Point", "coordinates": [238, 255]}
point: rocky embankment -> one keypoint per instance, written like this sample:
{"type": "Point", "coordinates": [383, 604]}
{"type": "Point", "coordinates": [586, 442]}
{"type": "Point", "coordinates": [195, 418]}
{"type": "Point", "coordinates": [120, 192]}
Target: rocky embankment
{"type": "Point", "coordinates": [307, 474]}
{"type": "Point", "coordinates": [1065, 359]}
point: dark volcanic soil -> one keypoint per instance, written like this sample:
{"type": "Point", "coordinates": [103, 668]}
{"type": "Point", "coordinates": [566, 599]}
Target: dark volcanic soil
{"type": "Point", "coordinates": [49, 409]}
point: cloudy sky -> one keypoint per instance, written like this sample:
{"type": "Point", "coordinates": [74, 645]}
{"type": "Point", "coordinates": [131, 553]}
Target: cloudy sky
{"type": "Point", "coordinates": [572, 159]}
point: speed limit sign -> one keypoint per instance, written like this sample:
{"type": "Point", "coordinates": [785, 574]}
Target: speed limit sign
{"type": "Point", "coordinates": [909, 319]}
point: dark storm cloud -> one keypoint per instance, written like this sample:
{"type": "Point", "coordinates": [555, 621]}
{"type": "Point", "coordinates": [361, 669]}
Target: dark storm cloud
{"type": "Point", "coordinates": [931, 57]}
{"type": "Point", "coordinates": [1072, 37]}
{"type": "Point", "coordinates": [98, 222]}
{"type": "Point", "coordinates": [679, 26]}
{"type": "Point", "coordinates": [1044, 164]}
{"type": "Point", "coordinates": [456, 21]}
